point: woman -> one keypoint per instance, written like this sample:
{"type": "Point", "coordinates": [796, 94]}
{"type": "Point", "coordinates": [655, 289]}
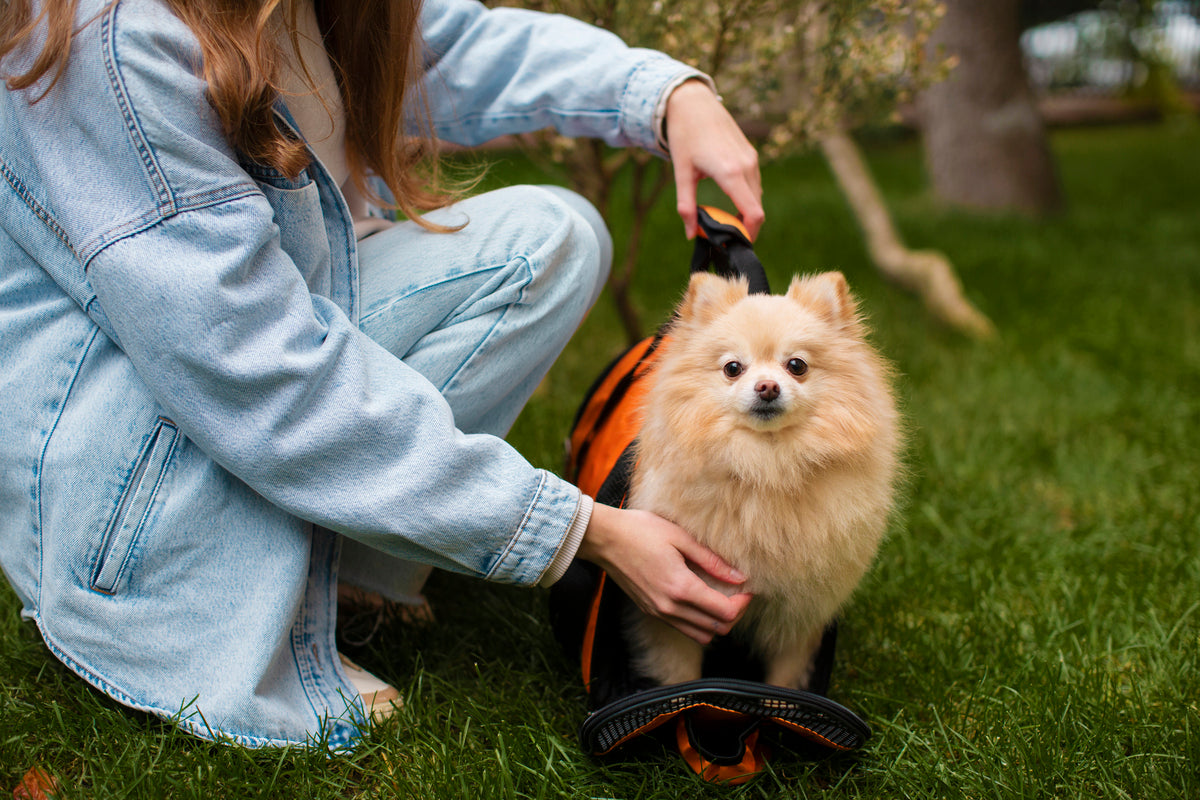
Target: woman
{"type": "Point", "coordinates": [228, 384]}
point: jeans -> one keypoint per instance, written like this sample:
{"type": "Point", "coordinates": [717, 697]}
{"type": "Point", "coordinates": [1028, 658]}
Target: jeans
{"type": "Point", "coordinates": [482, 313]}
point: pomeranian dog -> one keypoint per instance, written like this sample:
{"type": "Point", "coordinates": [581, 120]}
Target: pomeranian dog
{"type": "Point", "coordinates": [771, 435]}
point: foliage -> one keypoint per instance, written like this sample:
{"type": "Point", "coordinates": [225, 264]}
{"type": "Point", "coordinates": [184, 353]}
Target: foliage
{"type": "Point", "coordinates": [802, 67]}
{"type": "Point", "coordinates": [790, 70]}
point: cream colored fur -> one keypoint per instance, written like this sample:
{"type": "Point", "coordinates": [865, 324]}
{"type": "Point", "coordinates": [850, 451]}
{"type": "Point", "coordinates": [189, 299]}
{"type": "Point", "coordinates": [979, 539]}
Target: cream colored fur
{"type": "Point", "coordinates": [797, 497]}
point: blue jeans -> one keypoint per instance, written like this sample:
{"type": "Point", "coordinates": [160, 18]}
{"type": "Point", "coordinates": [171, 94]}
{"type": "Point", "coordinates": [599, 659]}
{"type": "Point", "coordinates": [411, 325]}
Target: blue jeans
{"type": "Point", "coordinates": [482, 313]}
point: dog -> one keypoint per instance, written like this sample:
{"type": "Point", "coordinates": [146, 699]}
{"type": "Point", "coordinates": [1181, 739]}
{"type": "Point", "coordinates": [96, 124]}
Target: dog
{"type": "Point", "coordinates": [770, 433]}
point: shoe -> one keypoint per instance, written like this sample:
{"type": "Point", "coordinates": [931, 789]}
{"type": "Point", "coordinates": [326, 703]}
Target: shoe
{"type": "Point", "coordinates": [362, 613]}
{"type": "Point", "coordinates": [382, 700]}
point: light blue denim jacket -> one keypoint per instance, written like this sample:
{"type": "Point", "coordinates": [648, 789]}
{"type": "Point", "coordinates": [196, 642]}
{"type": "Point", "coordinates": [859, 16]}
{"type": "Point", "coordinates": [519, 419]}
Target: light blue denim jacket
{"type": "Point", "coordinates": [191, 417]}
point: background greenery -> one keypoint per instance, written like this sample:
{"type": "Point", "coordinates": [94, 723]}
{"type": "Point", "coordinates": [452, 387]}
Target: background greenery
{"type": "Point", "coordinates": [1030, 629]}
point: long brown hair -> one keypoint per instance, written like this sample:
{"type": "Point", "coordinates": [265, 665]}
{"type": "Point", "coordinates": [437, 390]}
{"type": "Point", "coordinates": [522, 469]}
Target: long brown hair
{"type": "Point", "coordinates": [373, 45]}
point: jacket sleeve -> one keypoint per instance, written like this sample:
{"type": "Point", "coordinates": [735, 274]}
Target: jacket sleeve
{"type": "Point", "coordinates": [490, 72]}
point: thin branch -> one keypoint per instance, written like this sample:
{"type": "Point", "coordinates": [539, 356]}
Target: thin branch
{"type": "Point", "coordinates": [926, 273]}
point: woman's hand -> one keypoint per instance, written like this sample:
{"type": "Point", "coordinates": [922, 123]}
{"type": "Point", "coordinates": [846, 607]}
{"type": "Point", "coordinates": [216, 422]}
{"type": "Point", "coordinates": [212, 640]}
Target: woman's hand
{"type": "Point", "coordinates": [654, 562]}
{"type": "Point", "coordinates": [706, 142]}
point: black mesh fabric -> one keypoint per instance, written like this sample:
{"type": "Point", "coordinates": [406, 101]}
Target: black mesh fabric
{"type": "Point", "coordinates": [819, 721]}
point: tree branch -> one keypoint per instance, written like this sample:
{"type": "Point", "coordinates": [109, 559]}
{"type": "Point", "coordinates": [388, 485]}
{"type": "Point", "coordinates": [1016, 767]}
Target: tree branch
{"type": "Point", "coordinates": [926, 273]}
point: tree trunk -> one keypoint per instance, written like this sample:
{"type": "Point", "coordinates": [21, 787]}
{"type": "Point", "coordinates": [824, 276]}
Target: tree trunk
{"type": "Point", "coordinates": [926, 273]}
{"type": "Point", "coordinates": [985, 142]}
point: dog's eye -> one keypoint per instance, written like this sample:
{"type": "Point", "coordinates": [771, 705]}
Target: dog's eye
{"type": "Point", "coordinates": [732, 369]}
{"type": "Point", "coordinates": [796, 366]}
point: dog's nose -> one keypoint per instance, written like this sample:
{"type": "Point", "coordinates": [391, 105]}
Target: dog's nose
{"type": "Point", "coordinates": [767, 390]}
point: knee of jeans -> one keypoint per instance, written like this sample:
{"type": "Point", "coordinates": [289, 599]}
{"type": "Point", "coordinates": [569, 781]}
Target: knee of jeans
{"type": "Point", "coordinates": [591, 215]}
{"type": "Point", "coordinates": [580, 239]}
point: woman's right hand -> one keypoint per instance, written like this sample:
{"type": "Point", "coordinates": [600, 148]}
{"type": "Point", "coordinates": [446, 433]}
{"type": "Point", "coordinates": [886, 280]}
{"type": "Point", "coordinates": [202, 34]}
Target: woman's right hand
{"type": "Point", "coordinates": [705, 141]}
{"type": "Point", "coordinates": [654, 562]}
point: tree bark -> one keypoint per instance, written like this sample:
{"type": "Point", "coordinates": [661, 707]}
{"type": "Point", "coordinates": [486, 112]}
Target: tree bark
{"type": "Point", "coordinates": [926, 273]}
{"type": "Point", "coordinates": [985, 141]}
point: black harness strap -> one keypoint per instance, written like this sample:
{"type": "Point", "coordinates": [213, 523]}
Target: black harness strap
{"type": "Point", "coordinates": [615, 398]}
{"type": "Point", "coordinates": [724, 246]}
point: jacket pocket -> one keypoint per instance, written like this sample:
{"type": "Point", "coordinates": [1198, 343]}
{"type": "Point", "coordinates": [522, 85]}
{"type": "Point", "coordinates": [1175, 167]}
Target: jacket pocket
{"type": "Point", "coordinates": [121, 535]}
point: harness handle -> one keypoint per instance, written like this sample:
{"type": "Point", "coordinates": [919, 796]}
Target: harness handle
{"type": "Point", "coordinates": [724, 245]}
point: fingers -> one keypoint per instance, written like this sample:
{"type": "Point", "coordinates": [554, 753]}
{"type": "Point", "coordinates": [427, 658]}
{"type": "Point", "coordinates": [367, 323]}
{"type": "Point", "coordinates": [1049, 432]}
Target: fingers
{"type": "Point", "coordinates": [705, 626]}
{"type": "Point", "coordinates": [702, 615]}
{"type": "Point", "coordinates": [706, 142]}
{"type": "Point", "coordinates": [665, 571]}
{"type": "Point", "coordinates": [741, 185]}
{"type": "Point", "coordinates": [686, 181]}
{"type": "Point", "coordinates": [733, 166]}
{"type": "Point", "coordinates": [709, 562]}
{"type": "Point", "coordinates": [745, 190]}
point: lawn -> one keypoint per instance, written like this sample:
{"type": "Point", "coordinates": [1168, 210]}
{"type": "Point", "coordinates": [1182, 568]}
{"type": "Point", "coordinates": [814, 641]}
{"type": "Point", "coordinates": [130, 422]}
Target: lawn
{"type": "Point", "coordinates": [1031, 627]}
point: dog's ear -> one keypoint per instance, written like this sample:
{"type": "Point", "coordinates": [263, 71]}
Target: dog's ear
{"type": "Point", "coordinates": [828, 295]}
{"type": "Point", "coordinates": [708, 295]}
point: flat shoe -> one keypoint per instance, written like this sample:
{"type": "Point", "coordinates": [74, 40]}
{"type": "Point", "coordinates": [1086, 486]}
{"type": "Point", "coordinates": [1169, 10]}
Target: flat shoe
{"type": "Point", "coordinates": [381, 699]}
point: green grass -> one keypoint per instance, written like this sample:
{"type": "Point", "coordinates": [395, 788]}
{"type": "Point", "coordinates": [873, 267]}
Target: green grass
{"type": "Point", "coordinates": [1032, 626]}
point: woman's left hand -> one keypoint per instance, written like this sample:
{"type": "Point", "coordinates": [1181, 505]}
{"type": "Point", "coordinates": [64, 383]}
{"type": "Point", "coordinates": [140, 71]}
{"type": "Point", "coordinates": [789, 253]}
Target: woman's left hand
{"type": "Point", "coordinates": [706, 142]}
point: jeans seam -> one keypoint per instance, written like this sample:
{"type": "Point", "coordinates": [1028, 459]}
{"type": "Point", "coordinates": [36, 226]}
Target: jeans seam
{"type": "Point", "coordinates": [434, 284]}
{"type": "Point", "coordinates": [487, 337]}
{"type": "Point", "coordinates": [520, 532]}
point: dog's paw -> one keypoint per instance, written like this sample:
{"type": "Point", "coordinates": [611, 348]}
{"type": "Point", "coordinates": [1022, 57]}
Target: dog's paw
{"type": "Point", "coordinates": [665, 655]}
{"type": "Point", "coordinates": [792, 667]}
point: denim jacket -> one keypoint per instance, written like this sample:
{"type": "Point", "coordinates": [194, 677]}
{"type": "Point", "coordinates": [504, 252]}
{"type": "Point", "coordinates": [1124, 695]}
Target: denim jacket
{"type": "Point", "coordinates": [192, 419]}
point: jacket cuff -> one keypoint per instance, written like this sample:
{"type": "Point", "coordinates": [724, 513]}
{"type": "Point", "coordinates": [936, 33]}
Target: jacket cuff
{"type": "Point", "coordinates": [644, 101]}
{"type": "Point", "coordinates": [570, 544]}
{"type": "Point", "coordinates": [660, 110]}
{"type": "Point", "coordinates": [542, 533]}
